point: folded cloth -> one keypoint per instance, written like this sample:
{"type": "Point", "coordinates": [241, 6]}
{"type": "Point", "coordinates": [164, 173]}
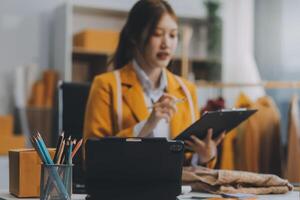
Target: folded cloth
{"type": "Point", "coordinates": [230, 181]}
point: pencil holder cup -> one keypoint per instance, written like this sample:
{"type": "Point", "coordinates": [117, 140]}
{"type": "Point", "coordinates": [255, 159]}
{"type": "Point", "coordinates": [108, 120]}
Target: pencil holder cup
{"type": "Point", "coordinates": [56, 182]}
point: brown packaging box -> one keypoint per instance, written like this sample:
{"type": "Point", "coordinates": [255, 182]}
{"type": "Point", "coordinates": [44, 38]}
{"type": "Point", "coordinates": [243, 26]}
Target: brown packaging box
{"type": "Point", "coordinates": [25, 172]}
{"type": "Point", "coordinates": [102, 41]}
{"type": "Point", "coordinates": [8, 142]}
{"type": "Point", "coordinates": [7, 139]}
{"type": "Point", "coordinates": [6, 125]}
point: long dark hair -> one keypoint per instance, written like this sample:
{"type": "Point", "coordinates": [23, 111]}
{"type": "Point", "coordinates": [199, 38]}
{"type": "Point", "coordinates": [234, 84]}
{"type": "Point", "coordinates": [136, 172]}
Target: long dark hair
{"type": "Point", "coordinates": [141, 23]}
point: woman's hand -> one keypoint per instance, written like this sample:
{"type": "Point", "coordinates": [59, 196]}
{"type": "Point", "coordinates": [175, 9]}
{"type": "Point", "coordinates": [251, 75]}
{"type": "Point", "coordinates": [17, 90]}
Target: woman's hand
{"type": "Point", "coordinates": [207, 148]}
{"type": "Point", "coordinates": [164, 108]}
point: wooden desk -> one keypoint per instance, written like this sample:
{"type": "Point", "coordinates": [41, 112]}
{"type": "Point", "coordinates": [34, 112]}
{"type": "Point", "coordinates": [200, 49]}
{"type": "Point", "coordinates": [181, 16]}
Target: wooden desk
{"type": "Point", "coordinates": [190, 196]}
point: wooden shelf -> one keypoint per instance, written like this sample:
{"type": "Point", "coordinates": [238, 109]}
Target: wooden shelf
{"type": "Point", "coordinates": [184, 11]}
{"type": "Point", "coordinates": [80, 50]}
{"type": "Point", "coordinates": [91, 9]}
{"type": "Point", "coordinates": [198, 59]}
{"type": "Point", "coordinates": [83, 51]}
{"type": "Point", "coordinates": [266, 84]}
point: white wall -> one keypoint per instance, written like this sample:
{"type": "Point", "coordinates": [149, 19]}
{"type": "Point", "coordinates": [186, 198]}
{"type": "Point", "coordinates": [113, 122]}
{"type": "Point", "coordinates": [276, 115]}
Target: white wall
{"type": "Point", "coordinates": [291, 38]}
{"type": "Point", "coordinates": [186, 8]}
{"type": "Point", "coordinates": [277, 41]}
{"type": "Point", "coordinates": [277, 48]}
{"type": "Point", "coordinates": [268, 37]}
{"type": "Point", "coordinates": [238, 63]}
{"type": "Point", "coordinates": [4, 173]}
{"type": "Point", "coordinates": [25, 37]}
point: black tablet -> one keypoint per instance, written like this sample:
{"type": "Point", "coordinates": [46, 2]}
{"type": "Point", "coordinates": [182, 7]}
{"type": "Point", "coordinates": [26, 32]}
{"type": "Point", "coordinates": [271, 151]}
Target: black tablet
{"type": "Point", "coordinates": [125, 164]}
{"type": "Point", "coordinates": [219, 121]}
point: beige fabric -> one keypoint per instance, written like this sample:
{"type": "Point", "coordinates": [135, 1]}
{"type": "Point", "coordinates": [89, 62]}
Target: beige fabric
{"type": "Point", "coordinates": [293, 160]}
{"type": "Point", "coordinates": [229, 181]}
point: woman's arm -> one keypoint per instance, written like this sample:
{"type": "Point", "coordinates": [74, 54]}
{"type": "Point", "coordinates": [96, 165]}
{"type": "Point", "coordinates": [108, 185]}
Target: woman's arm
{"type": "Point", "coordinates": [99, 116]}
{"type": "Point", "coordinates": [206, 150]}
{"type": "Point", "coordinates": [163, 109]}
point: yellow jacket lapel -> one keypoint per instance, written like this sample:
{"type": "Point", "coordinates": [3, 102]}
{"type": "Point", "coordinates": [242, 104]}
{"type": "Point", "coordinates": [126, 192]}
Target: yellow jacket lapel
{"type": "Point", "coordinates": [133, 93]}
{"type": "Point", "coordinates": [177, 121]}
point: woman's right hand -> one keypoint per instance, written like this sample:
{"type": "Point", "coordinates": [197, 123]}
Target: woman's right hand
{"type": "Point", "coordinates": [164, 108]}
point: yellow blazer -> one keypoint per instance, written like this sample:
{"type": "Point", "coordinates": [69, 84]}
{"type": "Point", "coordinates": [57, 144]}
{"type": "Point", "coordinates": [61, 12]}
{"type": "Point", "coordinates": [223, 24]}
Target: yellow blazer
{"type": "Point", "coordinates": [101, 110]}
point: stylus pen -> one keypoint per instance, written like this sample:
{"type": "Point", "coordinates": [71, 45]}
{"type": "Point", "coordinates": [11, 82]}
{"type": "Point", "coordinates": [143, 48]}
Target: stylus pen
{"type": "Point", "coordinates": [178, 100]}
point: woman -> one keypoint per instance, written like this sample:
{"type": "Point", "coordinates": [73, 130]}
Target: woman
{"type": "Point", "coordinates": [142, 98]}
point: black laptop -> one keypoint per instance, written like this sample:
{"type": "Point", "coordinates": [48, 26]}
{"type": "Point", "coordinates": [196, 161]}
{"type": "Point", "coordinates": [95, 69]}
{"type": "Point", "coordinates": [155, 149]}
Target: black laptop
{"type": "Point", "coordinates": [122, 168]}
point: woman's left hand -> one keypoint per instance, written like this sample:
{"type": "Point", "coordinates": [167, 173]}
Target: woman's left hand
{"type": "Point", "coordinates": [207, 148]}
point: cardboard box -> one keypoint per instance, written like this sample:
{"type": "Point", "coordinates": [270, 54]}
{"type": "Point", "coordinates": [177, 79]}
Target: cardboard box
{"type": "Point", "coordinates": [8, 142]}
{"type": "Point", "coordinates": [6, 125]}
{"type": "Point", "coordinates": [104, 41]}
{"type": "Point", "coordinates": [25, 172]}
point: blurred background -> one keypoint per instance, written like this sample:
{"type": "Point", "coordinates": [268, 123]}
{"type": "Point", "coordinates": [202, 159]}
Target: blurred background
{"type": "Point", "coordinates": [228, 48]}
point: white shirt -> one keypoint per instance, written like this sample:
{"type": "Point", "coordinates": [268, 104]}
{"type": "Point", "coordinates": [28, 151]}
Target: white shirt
{"type": "Point", "coordinates": [152, 95]}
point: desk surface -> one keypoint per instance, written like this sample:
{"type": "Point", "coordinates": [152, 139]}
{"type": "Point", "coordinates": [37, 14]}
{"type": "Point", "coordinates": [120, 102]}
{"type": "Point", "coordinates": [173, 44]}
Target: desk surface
{"type": "Point", "coordinates": [5, 195]}
{"type": "Point", "coordinates": [295, 195]}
